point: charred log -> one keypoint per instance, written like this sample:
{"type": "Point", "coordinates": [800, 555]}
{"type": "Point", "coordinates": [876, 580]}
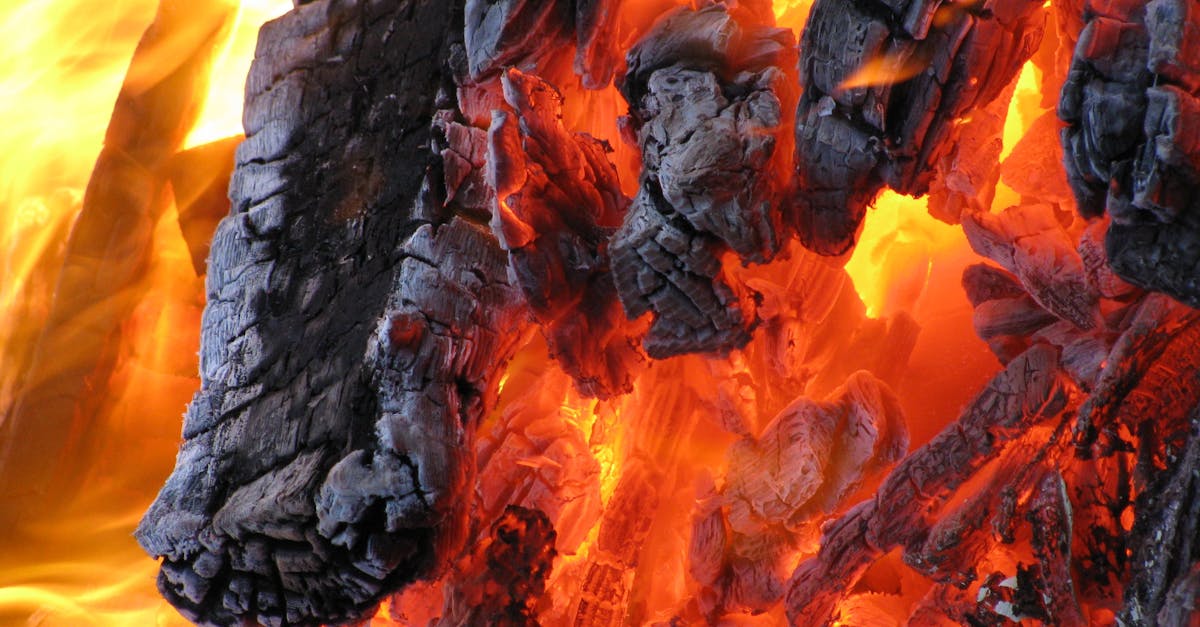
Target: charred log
{"type": "Point", "coordinates": [885, 84]}
{"type": "Point", "coordinates": [352, 339]}
{"type": "Point", "coordinates": [1131, 105]}
{"type": "Point", "coordinates": [708, 93]}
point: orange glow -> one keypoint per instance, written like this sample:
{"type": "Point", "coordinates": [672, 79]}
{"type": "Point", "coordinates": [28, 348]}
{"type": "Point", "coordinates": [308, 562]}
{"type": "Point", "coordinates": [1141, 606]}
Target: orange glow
{"type": "Point", "coordinates": [678, 422]}
{"type": "Point", "coordinates": [61, 69]}
{"type": "Point", "coordinates": [891, 265]}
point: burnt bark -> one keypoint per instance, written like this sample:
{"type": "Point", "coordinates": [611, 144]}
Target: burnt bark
{"type": "Point", "coordinates": [708, 91]}
{"type": "Point", "coordinates": [354, 331]}
{"type": "Point", "coordinates": [884, 85]}
{"type": "Point", "coordinates": [1132, 105]}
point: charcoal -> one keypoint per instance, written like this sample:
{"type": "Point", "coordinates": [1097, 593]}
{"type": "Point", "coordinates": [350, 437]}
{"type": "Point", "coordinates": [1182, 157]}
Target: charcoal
{"type": "Point", "coordinates": [708, 91]}
{"type": "Point", "coordinates": [1030, 390]}
{"type": "Point", "coordinates": [1131, 107]}
{"type": "Point", "coordinates": [1163, 538]}
{"type": "Point", "coordinates": [507, 574]}
{"type": "Point", "coordinates": [800, 468]}
{"type": "Point", "coordinates": [855, 134]}
{"type": "Point", "coordinates": [513, 32]}
{"type": "Point", "coordinates": [558, 201]}
{"type": "Point", "coordinates": [354, 334]}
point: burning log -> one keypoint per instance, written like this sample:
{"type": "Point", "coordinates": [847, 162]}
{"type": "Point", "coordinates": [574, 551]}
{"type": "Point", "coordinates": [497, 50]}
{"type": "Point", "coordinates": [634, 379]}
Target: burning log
{"type": "Point", "coordinates": [885, 84]}
{"type": "Point", "coordinates": [1029, 391]}
{"type": "Point", "coordinates": [1139, 159]}
{"type": "Point", "coordinates": [407, 202]}
{"type": "Point", "coordinates": [558, 201]}
{"type": "Point", "coordinates": [711, 166]}
{"type": "Point", "coordinates": [354, 333]}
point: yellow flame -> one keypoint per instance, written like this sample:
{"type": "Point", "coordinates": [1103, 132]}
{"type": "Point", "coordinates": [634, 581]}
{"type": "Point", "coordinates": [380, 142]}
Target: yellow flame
{"type": "Point", "coordinates": [887, 69]}
{"type": "Point", "coordinates": [61, 68]}
{"type": "Point", "coordinates": [1024, 108]}
{"type": "Point", "coordinates": [221, 114]}
{"type": "Point", "coordinates": [891, 264]}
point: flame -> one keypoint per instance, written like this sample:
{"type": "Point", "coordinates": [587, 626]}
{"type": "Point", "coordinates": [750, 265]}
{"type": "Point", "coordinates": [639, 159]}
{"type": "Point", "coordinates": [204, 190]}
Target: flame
{"type": "Point", "coordinates": [221, 114]}
{"type": "Point", "coordinates": [886, 69]}
{"type": "Point", "coordinates": [891, 265]}
{"type": "Point", "coordinates": [81, 57]}
{"type": "Point", "coordinates": [63, 65]}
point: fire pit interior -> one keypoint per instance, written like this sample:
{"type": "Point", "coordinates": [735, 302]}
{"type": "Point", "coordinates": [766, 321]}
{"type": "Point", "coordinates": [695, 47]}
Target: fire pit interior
{"type": "Point", "coordinates": [607, 312]}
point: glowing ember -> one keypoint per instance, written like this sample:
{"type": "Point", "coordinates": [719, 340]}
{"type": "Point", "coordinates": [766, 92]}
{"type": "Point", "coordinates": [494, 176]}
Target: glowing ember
{"type": "Point", "coordinates": [963, 419]}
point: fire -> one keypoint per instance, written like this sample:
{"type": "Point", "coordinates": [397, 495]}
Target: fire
{"type": "Point", "coordinates": [659, 452]}
{"type": "Point", "coordinates": [63, 65]}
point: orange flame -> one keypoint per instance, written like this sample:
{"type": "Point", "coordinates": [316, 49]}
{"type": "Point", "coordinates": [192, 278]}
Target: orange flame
{"type": "Point", "coordinates": [63, 65]}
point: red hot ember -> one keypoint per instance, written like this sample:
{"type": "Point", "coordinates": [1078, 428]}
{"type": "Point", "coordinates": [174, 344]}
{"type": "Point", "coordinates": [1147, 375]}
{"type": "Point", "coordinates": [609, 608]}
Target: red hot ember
{"type": "Point", "coordinates": [537, 313]}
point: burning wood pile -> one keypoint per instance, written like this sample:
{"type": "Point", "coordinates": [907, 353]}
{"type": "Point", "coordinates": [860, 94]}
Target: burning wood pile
{"type": "Point", "coordinates": [535, 312]}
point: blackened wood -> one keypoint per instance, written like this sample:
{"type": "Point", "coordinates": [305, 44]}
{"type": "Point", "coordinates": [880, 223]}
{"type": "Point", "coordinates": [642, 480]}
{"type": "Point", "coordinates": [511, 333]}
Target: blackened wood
{"type": "Point", "coordinates": [855, 136]}
{"type": "Point", "coordinates": [1164, 537]}
{"type": "Point", "coordinates": [1030, 390]}
{"type": "Point", "coordinates": [507, 573]}
{"type": "Point", "coordinates": [1132, 105]}
{"type": "Point", "coordinates": [44, 439]}
{"type": "Point", "coordinates": [557, 201]}
{"type": "Point", "coordinates": [708, 91]}
{"type": "Point", "coordinates": [353, 336]}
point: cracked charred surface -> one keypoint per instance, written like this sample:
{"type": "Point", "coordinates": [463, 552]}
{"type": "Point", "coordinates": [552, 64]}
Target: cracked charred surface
{"type": "Point", "coordinates": [1132, 106]}
{"type": "Point", "coordinates": [708, 92]}
{"type": "Point", "coordinates": [885, 84]}
{"type": "Point", "coordinates": [1031, 390]}
{"type": "Point", "coordinates": [780, 485]}
{"type": "Point", "coordinates": [354, 331]}
{"type": "Point", "coordinates": [558, 201]}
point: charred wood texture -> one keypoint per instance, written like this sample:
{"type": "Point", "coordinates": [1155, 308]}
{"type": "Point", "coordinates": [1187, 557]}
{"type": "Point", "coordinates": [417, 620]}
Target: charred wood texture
{"type": "Point", "coordinates": [1031, 390]}
{"type": "Point", "coordinates": [708, 91]}
{"type": "Point", "coordinates": [1132, 108]}
{"type": "Point", "coordinates": [352, 339]}
{"type": "Point", "coordinates": [558, 201]}
{"type": "Point", "coordinates": [885, 84]}
{"type": "Point", "coordinates": [507, 573]}
{"type": "Point", "coordinates": [781, 484]}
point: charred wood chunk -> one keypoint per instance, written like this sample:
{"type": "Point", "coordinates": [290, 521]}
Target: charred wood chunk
{"type": "Point", "coordinates": [507, 574]}
{"type": "Point", "coordinates": [1031, 243]}
{"type": "Point", "coordinates": [514, 32]}
{"type": "Point", "coordinates": [558, 200]}
{"type": "Point", "coordinates": [1030, 390]}
{"type": "Point", "coordinates": [1131, 105]}
{"type": "Point", "coordinates": [884, 86]}
{"type": "Point", "coordinates": [1149, 377]}
{"type": "Point", "coordinates": [708, 94]}
{"type": "Point", "coordinates": [1163, 542]}
{"type": "Point", "coordinates": [663, 266]}
{"type": "Point", "coordinates": [352, 337]}
{"type": "Point", "coordinates": [781, 484]}
{"type": "Point", "coordinates": [1050, 516]}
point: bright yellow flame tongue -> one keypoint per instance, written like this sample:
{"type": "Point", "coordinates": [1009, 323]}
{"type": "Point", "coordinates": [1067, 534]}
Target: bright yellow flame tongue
{"type": "Point", "coordinates": [61, 67]}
